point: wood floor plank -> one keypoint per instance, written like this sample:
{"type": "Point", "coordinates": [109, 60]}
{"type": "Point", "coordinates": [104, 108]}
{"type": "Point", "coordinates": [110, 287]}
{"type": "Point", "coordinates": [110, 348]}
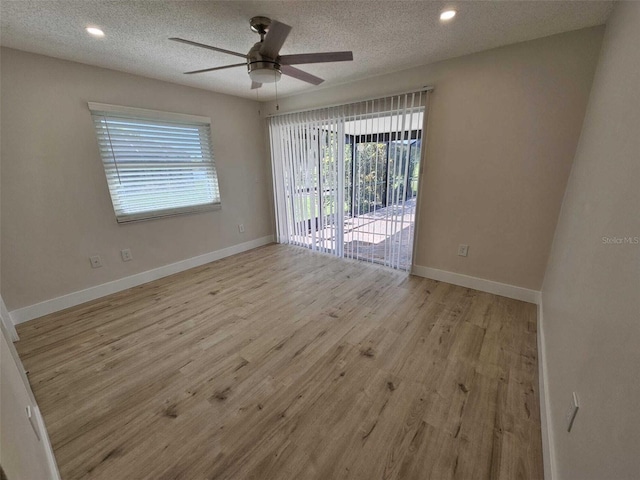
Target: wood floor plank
{"type": "Point", "coordinates": [281, 363]}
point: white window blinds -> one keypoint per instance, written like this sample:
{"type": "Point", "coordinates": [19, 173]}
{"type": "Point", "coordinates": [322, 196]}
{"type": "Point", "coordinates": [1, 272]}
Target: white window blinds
{"type": "Point", "coordinates": [157, 164]}
{"type": "Point", "coordinates": [346, 177]}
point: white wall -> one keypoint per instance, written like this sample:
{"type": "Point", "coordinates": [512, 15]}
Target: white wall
{"type": "Point", "coordinates": [591, 292]}
{"type": "Point", "coordinates": [503, 129]}
{"type": "Point", "coordinates": [55, 204]}
{"type": "Point", "coordinates": [7, 323]}
{"type": "Point", "coordinates": [23, 455]}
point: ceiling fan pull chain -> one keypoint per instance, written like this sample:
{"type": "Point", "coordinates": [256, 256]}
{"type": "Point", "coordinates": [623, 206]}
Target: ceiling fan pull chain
{"type": "Point", "coordinates": [258, 100]}
{"type": "Point", "coordinates": [276, 84]}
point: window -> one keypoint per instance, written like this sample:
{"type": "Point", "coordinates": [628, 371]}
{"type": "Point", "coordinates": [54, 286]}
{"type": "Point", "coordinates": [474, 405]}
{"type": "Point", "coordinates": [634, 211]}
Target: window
{"type": "Point", "coordinates": [346, 177]}
{"type": "Point", "coordinates": [157, 164]}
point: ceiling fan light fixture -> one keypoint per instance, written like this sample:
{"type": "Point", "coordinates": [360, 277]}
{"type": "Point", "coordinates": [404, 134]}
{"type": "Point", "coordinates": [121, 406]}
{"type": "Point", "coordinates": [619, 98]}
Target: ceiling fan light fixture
{"type": "Point", "coordinates": [265, 75]}
{"type": "Point", "coordinates": [447, 14]}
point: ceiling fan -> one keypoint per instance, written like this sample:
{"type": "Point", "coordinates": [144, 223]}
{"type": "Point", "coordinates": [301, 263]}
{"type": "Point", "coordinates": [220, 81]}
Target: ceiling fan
{"type": "Point", "coordinates": [264, 62]}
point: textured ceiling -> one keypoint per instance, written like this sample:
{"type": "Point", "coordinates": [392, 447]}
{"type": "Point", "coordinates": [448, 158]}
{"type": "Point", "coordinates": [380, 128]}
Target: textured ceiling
{"type": "Point", "coordinates": [384, 35]}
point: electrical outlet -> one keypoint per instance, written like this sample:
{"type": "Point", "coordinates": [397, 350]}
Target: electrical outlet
{"type": "Point", "coordinates": [96, 261]}
{"type": "Point", "coordinates": [572, 411]}
{"type": "Point", "coordinates": [126, 255]}
{"type": "Point", "coordinates": [241, 227]}
{"type": "Point", "coordinates": [463, 250]}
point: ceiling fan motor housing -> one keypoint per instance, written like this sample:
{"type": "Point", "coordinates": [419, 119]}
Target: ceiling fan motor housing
{"type": "Point", "coordinates": [262, 69]}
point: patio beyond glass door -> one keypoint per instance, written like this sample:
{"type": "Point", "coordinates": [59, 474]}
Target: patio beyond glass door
{"type": "Point", "coordinates": [379, 226]}
{"type": "Point", "coordinates": [346, 178]}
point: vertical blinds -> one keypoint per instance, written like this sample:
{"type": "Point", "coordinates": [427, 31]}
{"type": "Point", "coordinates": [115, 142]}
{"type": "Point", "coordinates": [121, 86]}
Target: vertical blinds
{"type": "Point", "coordinates": [345, 178]}
{"type": "Point", "coordinates": [156, 164]}
{"type": "Point", "coordinates": [306, 149]}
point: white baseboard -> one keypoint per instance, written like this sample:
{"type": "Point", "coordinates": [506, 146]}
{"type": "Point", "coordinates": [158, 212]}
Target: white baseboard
{"type": "Point", "coordinates": [545, 413]}
{"type": "Point", "coordinates": [48, 449]}
{"type": "Point", "coordinates": [7, 321]}
{"type": "Point", "coordinates": [40, 428]}
{"type": "Point", "coordinates": [489, 286]}
{"type": "Point", "coordinates": [76, 298]}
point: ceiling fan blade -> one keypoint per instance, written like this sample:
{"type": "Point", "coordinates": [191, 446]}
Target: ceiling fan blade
{"type": "Point", "coordinates": [300, 75]}
{"type": "Point", "coordinates": [255, 85]}
{"type": "Point", "coordinates": [301, 58]}
{"type": "Point", "coordinates": [216, 68]}
{"type": "Point", "coordinates": [202, 45]}
{"type": "Point", "coordinates": [276, 35]}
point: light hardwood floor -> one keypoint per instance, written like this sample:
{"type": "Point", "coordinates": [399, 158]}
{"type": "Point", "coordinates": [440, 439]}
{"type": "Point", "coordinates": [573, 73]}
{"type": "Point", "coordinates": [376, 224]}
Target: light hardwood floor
{"type": "Point", "coordinates": [282, 364]}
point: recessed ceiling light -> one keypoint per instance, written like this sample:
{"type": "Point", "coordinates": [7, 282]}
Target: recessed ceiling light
{"type": "Point", "coordinates": [96, 32]}
{"type": "Point", "coordinates": [447, 14]}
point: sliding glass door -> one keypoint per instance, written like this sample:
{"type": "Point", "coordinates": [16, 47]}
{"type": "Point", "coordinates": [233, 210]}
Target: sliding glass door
{"type": "Point", "coordinates": [346, 178]}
